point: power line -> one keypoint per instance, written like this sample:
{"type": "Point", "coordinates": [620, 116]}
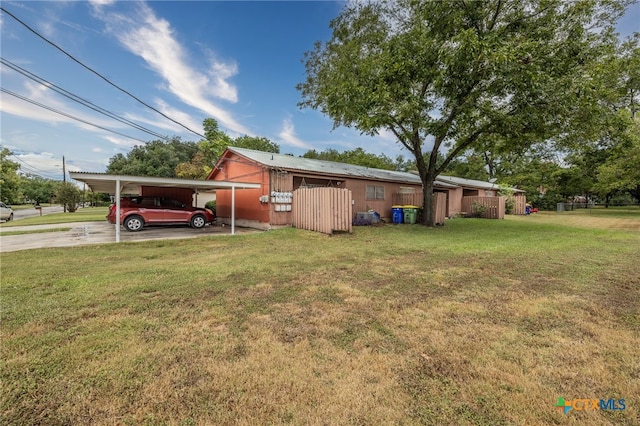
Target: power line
{"type": "Point", "coordinates": [32, 169]}
{"type": "Point", "coordinates": [96, 72]}
{"type": "Point", "coordinates": [57, 111]}
{"type": "Point", "coordinates": [78, 99]}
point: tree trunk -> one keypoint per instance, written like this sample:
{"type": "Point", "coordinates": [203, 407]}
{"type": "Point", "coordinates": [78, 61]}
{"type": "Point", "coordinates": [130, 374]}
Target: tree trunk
{"type": "Point", "coordinates": [429, 207]}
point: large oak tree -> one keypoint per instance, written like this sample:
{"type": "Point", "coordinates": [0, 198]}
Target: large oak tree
{"type": "Point", "coordinates": [445, 76]}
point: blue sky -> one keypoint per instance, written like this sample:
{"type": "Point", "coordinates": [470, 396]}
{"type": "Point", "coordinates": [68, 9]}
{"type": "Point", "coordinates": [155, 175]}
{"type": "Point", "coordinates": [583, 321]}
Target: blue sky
{"type": "Point", "coordinates": [237, 62]}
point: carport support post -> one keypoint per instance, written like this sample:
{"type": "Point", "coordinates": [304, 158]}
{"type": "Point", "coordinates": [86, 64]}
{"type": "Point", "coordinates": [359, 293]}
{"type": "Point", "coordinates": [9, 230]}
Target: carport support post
{"type": "Point", "coordinates": [233, 210]}
{"type": "Point", "coordinates": [117, 209]}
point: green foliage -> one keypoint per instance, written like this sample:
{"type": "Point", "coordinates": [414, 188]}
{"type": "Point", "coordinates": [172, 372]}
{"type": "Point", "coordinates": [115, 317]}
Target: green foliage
{"type": "Point", "coordinates": [214, 144]}
{"type": "Point", "coordinates": [478, 209]}
{"type": "Point", "coordinates": [37, 189]}
{"type": "Point", "coordinates": [197, 168]}
{"type": "Point", "coordinates": [156, 158]}
{"type": "Point", "coordinates": [211, 205]}
{"type": "Point", "coordinates": [69, 195]}
{"type": "Point", "coordinates": [9, 178]}
{"type": "Point", "coordinates": [360, 157]}
{"type": "Point", "coordinates": [256, 143]}
{"type": "Point", "coordinates": [496, 75]}
{"type": "Point", "coordinates": [211, 148]}
{"type": "Point", "coordinates": [471, 166]}
{"type": "Point", "coordinates": [510, 201]}
{"type": "Point", "coordinates": [98, 199]}
{"type": "Point", "coordinates": [620, 171]}
{"type": "Point", "coordinates": [187, 160]}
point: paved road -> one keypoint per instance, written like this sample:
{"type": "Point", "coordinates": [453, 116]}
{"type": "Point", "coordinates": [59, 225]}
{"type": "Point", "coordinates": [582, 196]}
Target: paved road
{"type": "Point", "coordinates": [24, 213]}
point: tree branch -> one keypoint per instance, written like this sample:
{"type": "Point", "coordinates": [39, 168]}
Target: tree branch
{"type": "Point", "coordinates": [398, 136]}
{"type": "Point", "coordinates": [494, 19]}
{"type": "Point", "coordinates": [463, 146]}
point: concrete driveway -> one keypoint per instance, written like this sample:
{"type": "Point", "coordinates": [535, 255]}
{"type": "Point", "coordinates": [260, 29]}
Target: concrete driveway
{"type": "Point", "coordinates": [83, 233]}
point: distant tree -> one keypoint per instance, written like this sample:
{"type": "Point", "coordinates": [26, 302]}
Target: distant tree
{"type": "Point", "coordinates": [404, 164]}
{"type": "Point", "coordinates": [211, 148]}
{"type": "Point", "coordinates": [38, 189]}
{"type": "Point", "coordinates": [69, 196]}
{"type": "Point", "coordinates": [156, 158]}
{"type": "Point", "coordinates": [9, 178]}
{"type": "Point", "coordinates": [214, 144]}
{"type": "Point", "coordinates": [208, 151]}
{"type": "Point", "coordinates": [257, 143]}
{"type": "Point", "coordinates": [197, 168]}
{"type": "Point", "coordinates": [470, 166]}
{"type": "Point", "coordinates": [502, 73]}
{"type": "Point", "coordinates": [328, 154]}
{"type": "Point", "coordinates": [360, 157]}
{"type": "Point", "coordinates": [620, 171]}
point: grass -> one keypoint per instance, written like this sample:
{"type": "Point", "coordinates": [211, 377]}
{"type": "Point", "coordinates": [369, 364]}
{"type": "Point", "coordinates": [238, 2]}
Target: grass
{"type": "Point", "coordinates": [35, 231]}
{"type": "Point", "coordinates": [90, 214]}
{"type": "Point", "coordinates": [597, 218]}
{"type": "Point", "coordinates": [478, 322]}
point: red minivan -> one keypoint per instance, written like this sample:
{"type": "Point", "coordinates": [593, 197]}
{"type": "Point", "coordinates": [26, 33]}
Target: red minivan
{"type": "Point", "coordinates": [137, 212]}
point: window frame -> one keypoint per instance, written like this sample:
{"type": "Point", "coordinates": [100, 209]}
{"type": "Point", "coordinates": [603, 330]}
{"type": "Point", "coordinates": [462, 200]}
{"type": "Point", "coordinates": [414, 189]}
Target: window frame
{"type": "Point", "coordinates": [377, 189]}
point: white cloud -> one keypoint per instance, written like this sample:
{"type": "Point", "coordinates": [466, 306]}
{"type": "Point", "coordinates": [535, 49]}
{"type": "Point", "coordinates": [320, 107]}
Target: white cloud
{"type": "Point", "coordinates": [43, 164]}
{"type": "Point", "coordinates": [47, 28]}
{"type": "Point", "coordinates": [180, 117]}
{"type": "Point", "coordinates": [101, 3]}
{"type": "Point", "coordinates": [122, 142]}
{"type": "Point", "coordinates": [288, 135]}
{"type": "Point", "coordinates": [387, 135]}
{"type": "Point", "coordinates": [42, 95]}
{"type": "Point", "coordinates": [152, 39]}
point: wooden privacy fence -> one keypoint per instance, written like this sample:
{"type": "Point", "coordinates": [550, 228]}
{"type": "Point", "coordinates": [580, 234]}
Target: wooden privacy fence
{"type": "Point", "coordinates": [519, 205]}
{"type": "Point", "coordinates": [323, 210]}
{"type": "Point", "coordinates": [493, 206]}
{"type": "Point", "coordinates": [439, 198]}
{"type": "Point", "coordinates": [414, 199]}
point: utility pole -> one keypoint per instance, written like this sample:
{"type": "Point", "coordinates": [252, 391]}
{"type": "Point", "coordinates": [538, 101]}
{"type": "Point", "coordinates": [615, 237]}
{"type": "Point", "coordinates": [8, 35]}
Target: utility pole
{"type": "Point", "coordinates": [64, 181]}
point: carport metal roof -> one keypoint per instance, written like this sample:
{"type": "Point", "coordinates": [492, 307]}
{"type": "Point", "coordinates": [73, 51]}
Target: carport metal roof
{"type": "Point", "coordinates": [118, 184]}
{"type": "Point", "coordinates": [102, 182]}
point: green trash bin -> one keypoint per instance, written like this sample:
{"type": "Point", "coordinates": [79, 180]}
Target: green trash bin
{"type": "Point", "coordinates": [410, 214]}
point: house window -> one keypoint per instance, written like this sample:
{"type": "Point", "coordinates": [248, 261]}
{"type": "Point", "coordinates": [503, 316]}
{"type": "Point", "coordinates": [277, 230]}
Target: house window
{"type": "Point", "coordinates": [375, 192]}
{"type": "Point", "coordinates": [407, 190]}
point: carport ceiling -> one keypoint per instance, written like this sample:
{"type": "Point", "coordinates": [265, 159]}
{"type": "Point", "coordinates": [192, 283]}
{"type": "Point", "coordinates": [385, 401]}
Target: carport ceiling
{"type": "Point", "coordinates": [102, 182]}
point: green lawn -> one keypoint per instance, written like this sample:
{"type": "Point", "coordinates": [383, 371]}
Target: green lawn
{"type": "Point", "coordinates": [89, 214]}
{"type": "Point", "coordinates": [477, 322]}
{"type": "Point", "coordinates": [35, 231]}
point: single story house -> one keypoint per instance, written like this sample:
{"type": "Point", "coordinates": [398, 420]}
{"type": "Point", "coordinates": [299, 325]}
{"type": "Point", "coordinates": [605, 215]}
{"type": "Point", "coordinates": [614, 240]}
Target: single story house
{"type": "Point", "coordinates": [279, 175]}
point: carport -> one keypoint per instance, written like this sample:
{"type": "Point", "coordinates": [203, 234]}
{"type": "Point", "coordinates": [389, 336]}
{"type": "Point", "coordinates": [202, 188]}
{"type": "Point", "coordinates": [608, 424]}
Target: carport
{"type": "Point", "coordinates": [119, 184]}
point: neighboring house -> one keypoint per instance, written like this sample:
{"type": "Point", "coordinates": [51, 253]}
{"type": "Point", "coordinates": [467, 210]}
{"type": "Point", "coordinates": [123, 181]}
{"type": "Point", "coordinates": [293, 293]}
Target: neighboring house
{"type": "Point", "coordinates": [279, 175]}
{"type": "Point", "coordinates": [471, 187]}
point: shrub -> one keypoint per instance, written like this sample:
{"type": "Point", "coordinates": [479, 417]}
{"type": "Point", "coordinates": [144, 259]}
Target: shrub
{"type": "Point", "coordinates": [211, 205]}
{"type": "Point", "coordinates": [510, 201]}
{"type": "Point", "coordinates": [69, 196]}
{"type": "Point", "coordinates": [478, 209]}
